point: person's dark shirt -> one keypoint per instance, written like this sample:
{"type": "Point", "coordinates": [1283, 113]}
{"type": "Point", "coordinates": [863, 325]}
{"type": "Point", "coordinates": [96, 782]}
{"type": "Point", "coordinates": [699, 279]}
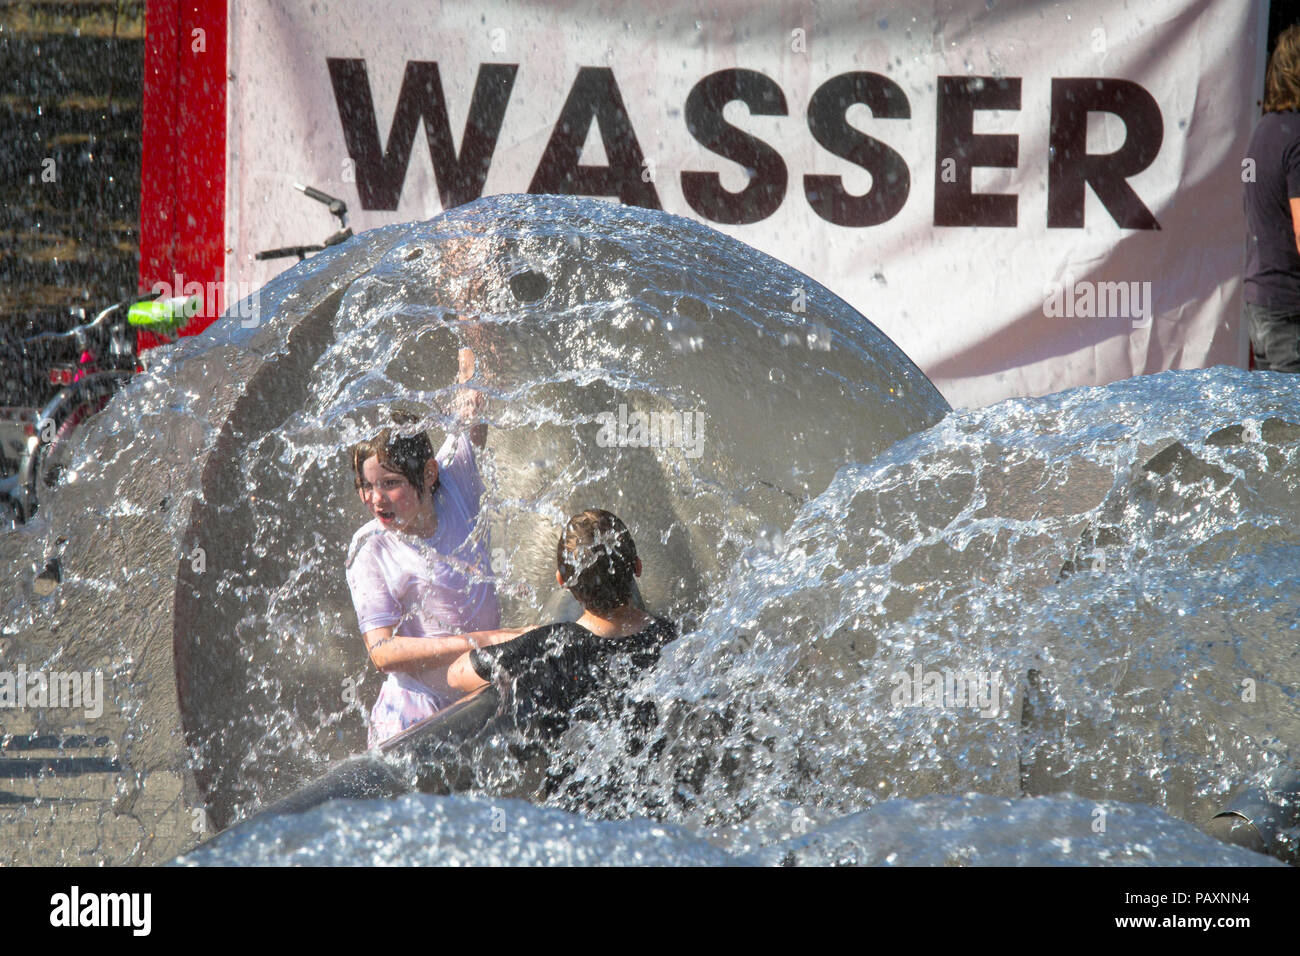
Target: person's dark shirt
{"type": "Point", "coordinates": [563, 671]}
{"type": "Point", "coordinates": [1272, 275]}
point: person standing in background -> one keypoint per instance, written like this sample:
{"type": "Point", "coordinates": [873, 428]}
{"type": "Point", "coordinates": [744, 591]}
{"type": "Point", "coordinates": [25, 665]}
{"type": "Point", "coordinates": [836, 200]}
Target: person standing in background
{"type": "Point", "coordinates": [1271, 174]}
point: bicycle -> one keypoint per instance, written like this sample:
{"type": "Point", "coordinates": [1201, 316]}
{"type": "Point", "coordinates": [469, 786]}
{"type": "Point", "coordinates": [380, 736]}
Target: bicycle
{"type": "Point", "coordinates": [36, 433]}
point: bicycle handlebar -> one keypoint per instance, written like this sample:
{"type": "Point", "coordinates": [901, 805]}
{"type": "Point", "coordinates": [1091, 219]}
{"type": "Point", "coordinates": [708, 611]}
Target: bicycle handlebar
{"type": "Point", "coordinates": [79, 329]}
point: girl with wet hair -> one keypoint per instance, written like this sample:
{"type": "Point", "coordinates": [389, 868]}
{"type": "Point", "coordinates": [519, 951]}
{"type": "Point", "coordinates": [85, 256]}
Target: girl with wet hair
{"type": "Point", "coordinates": [405, 455]}
{"type": "Point", "coordinates": [419, 570]}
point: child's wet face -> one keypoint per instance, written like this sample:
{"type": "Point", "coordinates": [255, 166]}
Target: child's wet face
{"type": "Point", "coordinates": [392, 499]}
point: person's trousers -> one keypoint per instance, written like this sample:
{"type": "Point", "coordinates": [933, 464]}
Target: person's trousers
{"type": "Point", "coordinates": [1274, 337]}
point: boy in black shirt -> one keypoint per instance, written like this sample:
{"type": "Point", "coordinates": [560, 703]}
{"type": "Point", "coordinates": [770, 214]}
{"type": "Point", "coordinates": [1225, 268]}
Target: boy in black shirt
{"type": "Point", "coordinates": [566, 670]}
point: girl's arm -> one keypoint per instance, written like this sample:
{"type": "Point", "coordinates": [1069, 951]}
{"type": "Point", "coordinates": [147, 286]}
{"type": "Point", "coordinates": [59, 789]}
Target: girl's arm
{"type": "Point", "coordinates": [468, 403]}
{"type": "Point", "coordinates": [462, 677]}
{"type": "Point", "coordinates": [394, 652]}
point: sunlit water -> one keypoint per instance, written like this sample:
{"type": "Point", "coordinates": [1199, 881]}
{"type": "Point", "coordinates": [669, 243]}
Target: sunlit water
{"type": "Point", "coordinates": [835, 546]}
{"type": "Point", "coordinates": [938, 830]}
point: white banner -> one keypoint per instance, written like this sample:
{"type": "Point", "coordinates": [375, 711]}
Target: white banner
{"type": "Point", "coordinates": [1024, 196]}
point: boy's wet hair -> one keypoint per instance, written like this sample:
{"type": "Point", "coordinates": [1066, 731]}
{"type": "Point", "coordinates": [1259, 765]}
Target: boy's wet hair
{"type": "Point", "coordinates": [595, 557]}
{"type": "Point", "coordinates": [405, 455]}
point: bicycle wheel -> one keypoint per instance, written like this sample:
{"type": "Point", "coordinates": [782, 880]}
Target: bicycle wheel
{"type": "Point", "coordinates": [66, 416]}
{"type": "Point", "coordinates": [56, 455]}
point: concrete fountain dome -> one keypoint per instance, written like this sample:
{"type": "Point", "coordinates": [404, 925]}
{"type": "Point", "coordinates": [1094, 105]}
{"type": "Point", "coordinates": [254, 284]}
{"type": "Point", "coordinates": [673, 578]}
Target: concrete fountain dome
{"type": "Point", "coordinates": [581, 314]}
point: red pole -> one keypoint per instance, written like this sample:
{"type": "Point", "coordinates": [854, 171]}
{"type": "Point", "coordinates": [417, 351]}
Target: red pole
{"type": "Point", "coordinates": [183, 161]}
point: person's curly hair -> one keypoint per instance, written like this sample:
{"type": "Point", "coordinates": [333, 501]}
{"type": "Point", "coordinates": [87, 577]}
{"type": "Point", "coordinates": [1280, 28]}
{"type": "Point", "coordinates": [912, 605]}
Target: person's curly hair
{"type": "Point", "coordinates": [1282, 80]}
{"type": "Point", "coordinates": [596, 558]}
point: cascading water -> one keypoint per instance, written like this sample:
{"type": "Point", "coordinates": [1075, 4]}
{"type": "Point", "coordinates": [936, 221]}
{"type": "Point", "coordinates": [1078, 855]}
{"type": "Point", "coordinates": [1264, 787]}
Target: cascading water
{"type": "Point", "coordinates": [876, 617]}
{"type": "Point", "coordinates": [581, 317]}
{"type": "Point", "coordinates": [1159, 672]}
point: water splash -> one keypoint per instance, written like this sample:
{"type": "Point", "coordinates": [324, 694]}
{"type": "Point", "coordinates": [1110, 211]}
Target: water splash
{"type": "Point", "coordinates": [843, 556]}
